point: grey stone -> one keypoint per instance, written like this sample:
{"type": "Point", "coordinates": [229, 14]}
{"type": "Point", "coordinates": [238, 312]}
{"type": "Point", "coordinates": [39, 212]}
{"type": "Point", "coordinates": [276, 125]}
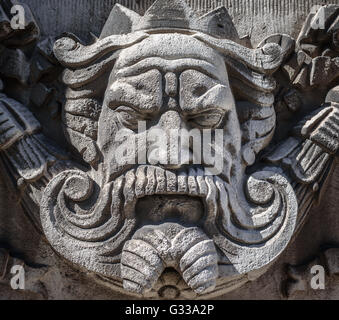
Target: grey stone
{"type": "Point", "coordinates": [292, 100]}
{"type": "Point", "coordinates": [333, 95]}
{"type": "Point", "coordinates": [14, 65]}
{"type": "Point", "coordinates": [295, 64]}
{"type": "Point", "coordinates": [324, 70]}
{"type": "Point", "coordinates": [158, 229]}
{"type": "Point", "coordinates": [40, 95]}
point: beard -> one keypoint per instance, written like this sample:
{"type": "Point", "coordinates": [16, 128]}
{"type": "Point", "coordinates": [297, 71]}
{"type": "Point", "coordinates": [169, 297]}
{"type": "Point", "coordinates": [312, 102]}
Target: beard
{"type": "Point", "coordinates": [170, 209]}
{"type": "Point", "coordinates": [186, 215]}
{"type": "Point", "coordinates": [150, 219]}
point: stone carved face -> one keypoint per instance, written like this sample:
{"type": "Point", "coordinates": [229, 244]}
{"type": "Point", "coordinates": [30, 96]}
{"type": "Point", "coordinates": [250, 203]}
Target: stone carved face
{"type": "Point", "coordinates": [157, 227]}
{"type": "Point", "coordinates": [135, 222]}
{"type": "Point", "coordinates": [169, 81]}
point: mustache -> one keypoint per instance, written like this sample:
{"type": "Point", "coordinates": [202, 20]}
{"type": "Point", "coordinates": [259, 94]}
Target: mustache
{"type": "Point", "coordinates": [97, 214]}
{"type": "Point", "coordinates": [148, 180]}
{"type": "Point", "coordinates": [109, 211]}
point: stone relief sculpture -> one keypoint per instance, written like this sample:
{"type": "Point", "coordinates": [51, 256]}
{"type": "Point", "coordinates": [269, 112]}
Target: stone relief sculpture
{"type": "Point", "coordinates": [164, 230]}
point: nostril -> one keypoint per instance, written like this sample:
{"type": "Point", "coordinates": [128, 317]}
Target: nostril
{"type": "Point", "coordinates": [200, 90]}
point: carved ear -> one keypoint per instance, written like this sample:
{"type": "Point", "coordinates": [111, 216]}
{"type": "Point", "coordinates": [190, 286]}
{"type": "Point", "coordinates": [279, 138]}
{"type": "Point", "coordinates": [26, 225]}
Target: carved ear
{"type": "Point", "coordinates": [80, 118]}
{"type": "Point", "coordinates": [120, 21]}
{"type": "Point", "coordinates": [258, 127]}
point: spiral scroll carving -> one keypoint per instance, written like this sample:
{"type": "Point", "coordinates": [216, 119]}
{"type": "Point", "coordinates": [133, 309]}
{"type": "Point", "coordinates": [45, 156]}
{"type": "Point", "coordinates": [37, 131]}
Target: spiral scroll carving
{"type": "Point", "coordinates": [76, 213]}
{"type": "Point", "coordinates": [257, 222]}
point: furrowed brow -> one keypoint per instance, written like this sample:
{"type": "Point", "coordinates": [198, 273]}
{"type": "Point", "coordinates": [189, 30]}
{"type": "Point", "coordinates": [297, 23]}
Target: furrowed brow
{"type": "Point", "coordinates": [167, 65]}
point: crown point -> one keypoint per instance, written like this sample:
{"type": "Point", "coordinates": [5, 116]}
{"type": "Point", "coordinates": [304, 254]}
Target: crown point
{"type": "Point", "coordinates": [120, 21]}
{"type": "Point", "coordinates": [219, 23]}
{"type": "Point", "coordinates": [168, 14]}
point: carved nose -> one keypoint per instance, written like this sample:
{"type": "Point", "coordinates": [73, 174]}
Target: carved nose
{"type": "Point", "coordinates": [171, 120]}
{"type": "Point", "coordinates": [171, 123]}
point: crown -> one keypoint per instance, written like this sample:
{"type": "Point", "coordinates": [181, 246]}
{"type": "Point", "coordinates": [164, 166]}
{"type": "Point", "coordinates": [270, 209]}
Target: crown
{"type": "Point", "coordinates": [170, 15]}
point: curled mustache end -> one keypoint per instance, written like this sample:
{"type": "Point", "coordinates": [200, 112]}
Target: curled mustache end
{"type": "Point", "coordinates": [152, 250]}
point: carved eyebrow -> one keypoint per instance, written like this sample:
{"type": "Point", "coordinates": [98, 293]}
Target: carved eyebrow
{"type": "Point", "coordinates": [114, 101]}
{"type": "Point", "coordinates": [139, 108]}
{"type": "Point", "coordinates": [205, 99]}
{"type": "Point", "coordinates": [170, 65]}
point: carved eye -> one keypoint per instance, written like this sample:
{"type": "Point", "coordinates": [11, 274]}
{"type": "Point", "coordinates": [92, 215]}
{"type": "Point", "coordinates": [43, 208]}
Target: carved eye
{"type": "Point", "coordinates": [129, 117]}
{"type": "Point", "coordinates": [199, 90]}
{"type": "Point", "coordinates": [208, 119]}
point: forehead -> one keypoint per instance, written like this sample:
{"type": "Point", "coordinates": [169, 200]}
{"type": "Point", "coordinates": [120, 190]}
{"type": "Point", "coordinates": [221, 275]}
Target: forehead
{"type": "Point", "coordinates": [171, 52]}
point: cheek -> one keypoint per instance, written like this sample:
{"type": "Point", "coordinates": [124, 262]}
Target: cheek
{"type": "Point", "coordinates": [232, 130]}
{"type": "Point", "coordinates": [227, 99]}
{"type": "Point", "coordinates": [108, 127]}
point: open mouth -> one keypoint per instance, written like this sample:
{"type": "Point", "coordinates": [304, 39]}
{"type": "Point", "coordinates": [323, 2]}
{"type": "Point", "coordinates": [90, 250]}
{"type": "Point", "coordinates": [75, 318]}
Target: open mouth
{"type": "Point", "coordinates": [154, 194]}
{"type": "Point", "coordinates": [134, 227]}
{"type": "Point", "coordinates": [169, 209]}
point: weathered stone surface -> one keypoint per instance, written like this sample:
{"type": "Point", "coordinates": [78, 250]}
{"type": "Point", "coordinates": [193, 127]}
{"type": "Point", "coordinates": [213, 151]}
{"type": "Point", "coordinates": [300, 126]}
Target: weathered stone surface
{"type": "Point", "coordinates": [258, 19]}
{"type": "Point", "coordinates": [22, 36]}
{"type": "Point", "coordinates": [333, 95]}
{"type": "Point", "coordinates": [295, 64]}
{"type": "Point", "coordinates": [14, 65]}
{"type": "Point", "coordinates": [324, 70]}
{"type": "Point", "coordinates": [292, 100]}
{"type": "Point", "coordinates": [128, 208]}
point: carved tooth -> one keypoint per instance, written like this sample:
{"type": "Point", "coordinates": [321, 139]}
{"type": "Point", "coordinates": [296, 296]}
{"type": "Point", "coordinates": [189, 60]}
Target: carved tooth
{"type": "Point", "coordinates": [171, 182]}
{"type": "Point", "coordinates": [116, 194]}
{"type": "Point", "coordinates": [223, 204]}
{"type": "Point", "coordinates": [140, 182]}
{"type": "Point", "coordinates": [151, 182]}
{"type": "Point", "coordinates": [201, 183]}
{"type": "Point", "coordinates": [228, 169]}
{"type": "Point", "coordinates": [182, 182]}
{"type": "Point", "coordinates": [192, 183]}
{"type": "Point", "coordinates": [211, 200]}
{"type": "Point", "coordinates": [129, 193]}
{"type": "Point", "coordinates": [161, 180]}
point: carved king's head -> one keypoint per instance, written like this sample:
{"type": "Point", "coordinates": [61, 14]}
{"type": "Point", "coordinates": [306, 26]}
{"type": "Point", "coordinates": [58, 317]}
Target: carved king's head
{"type": "Point", "coordinates": [137, 214]}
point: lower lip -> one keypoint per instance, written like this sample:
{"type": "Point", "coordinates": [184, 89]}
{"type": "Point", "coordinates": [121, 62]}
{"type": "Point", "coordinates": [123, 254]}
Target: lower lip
{"type": "Point", "coordinates": [160, 208]}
